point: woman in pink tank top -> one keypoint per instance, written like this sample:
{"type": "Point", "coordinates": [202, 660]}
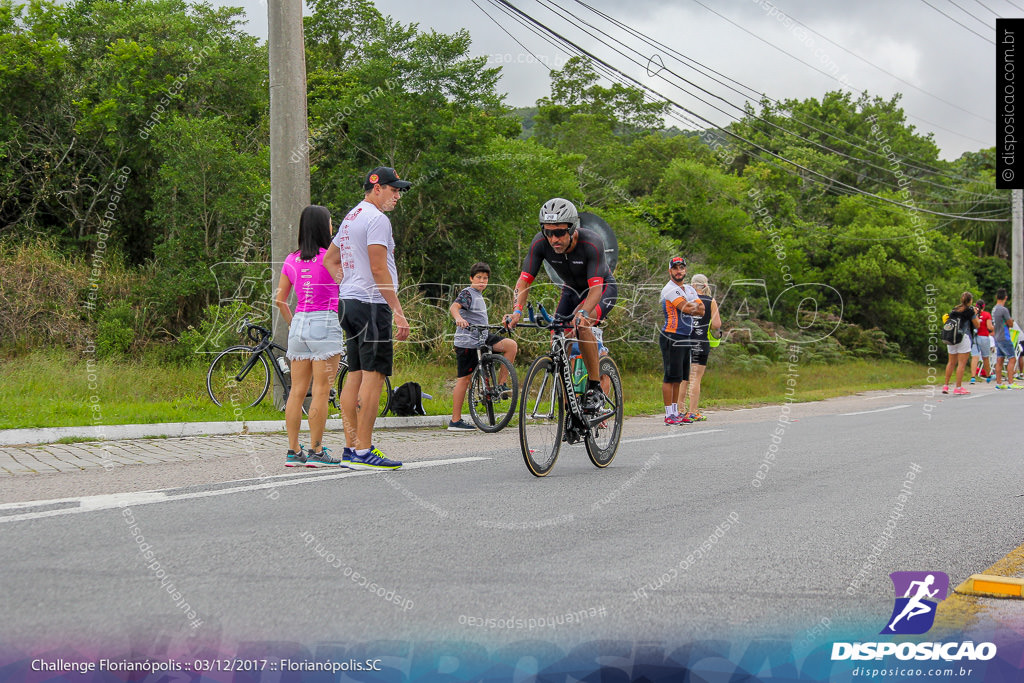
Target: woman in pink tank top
{"type": "Point", "coordinates": [315, 339]}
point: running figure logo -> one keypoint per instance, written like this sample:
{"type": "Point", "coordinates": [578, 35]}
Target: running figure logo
{"type": "Point", "coordinates": [917, 594]}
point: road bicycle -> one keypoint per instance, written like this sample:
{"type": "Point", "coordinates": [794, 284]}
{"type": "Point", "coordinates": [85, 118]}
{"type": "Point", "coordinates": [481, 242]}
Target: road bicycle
{"type": "Point", "coordinates": [240, 375]}
{"type": "Point", "coordinates": [491, 406]}
{"type": "Point", "coordinates": [549, 385]}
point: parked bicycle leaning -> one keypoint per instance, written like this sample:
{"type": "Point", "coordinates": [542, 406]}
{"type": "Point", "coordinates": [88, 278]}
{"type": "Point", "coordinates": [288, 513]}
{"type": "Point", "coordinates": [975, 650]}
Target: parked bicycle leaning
{"type": "Point", "coordinates": [314, 335]}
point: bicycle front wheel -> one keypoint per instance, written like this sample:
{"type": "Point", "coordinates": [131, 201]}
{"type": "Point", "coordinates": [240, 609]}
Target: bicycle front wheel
{"type": "Point", "coordinates": [238, 377]}
{"type": "Point", "coordinates": [385, 394]}
{"type": "Point", "coordinates": [541, 414]}
{"type": "Point", "coordinates": [489, 406]}
{"type": "Point", "coordinates": [603, 439]}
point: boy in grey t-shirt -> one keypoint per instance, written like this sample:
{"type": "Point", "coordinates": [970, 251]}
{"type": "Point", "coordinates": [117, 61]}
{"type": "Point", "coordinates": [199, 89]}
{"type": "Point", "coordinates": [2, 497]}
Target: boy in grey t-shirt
{"type": "Point", "coordinates": [470, 308]}
{"type": "Point", "coordinates": [1002, 323]}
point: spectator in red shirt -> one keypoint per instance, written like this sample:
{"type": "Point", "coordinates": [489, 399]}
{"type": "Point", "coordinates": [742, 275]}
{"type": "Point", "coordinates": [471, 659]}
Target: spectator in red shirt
{"type": "Point", "coordinates": [980, 347]}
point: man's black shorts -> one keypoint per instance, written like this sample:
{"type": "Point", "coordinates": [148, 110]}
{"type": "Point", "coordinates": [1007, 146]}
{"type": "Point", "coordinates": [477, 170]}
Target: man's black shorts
{"type": "Point", "coordinates": [367, 327]}
{"type": "Point", "coordinates": [571, 299]}
{"type": "Point", "coordinates": [466, 359]}
{"type": "Point", "coordinates": [675, 357]}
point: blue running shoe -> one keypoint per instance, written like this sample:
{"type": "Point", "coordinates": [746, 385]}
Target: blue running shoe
{"type": "Point", "coordinates": [346, 457]}
{"type": "Point", "coordinates": [293, 459]}
{"type": "Point", "coordinates": [374, 460]}
{"type": "Point", "coordinates": [322, 459]}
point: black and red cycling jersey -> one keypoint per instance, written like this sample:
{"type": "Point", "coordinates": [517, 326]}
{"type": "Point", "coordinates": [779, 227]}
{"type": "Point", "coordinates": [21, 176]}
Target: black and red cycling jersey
{"type": "Point", "coordinates": [583, 267]}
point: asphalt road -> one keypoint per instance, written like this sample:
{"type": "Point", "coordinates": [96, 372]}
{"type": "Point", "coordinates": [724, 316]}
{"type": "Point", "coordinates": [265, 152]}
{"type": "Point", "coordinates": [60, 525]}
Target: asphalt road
{"type": "Point", "coordinates": [678, 540]}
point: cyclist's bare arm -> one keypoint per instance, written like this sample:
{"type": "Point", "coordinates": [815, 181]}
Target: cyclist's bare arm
{"type": "Point", "coordinates": [519, 298]}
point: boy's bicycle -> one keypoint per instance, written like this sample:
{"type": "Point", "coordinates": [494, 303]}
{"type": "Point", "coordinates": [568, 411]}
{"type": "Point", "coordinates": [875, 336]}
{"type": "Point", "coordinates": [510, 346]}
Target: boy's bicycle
{"type": "Point", "coordinates": [491, 405]}
{"type": "Point", "coordinates": [240, 375]}
{"type": "Point", "coordinates": [543, 421]}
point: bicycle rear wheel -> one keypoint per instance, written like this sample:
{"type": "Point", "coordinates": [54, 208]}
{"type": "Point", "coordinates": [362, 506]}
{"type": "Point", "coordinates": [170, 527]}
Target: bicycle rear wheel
{"type": "Point", "coordinates": [385, 394]}
{"type": "Point", "coordinates": [238, 378]}
{"type": "Point", "coordinates": [491, 409]}
{"type": "Point", "coordinates": [541, 414]}
{"type": "Point", "coordinates": [603, 441]}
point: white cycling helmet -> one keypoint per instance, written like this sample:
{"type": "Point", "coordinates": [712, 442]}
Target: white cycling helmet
{"type": "Point", "coordinates": [560, 210]}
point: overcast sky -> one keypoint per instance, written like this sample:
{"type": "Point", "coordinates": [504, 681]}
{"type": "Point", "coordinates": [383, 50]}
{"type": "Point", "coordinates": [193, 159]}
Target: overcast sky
{"type": "Point", "coordinates": [944, 66]}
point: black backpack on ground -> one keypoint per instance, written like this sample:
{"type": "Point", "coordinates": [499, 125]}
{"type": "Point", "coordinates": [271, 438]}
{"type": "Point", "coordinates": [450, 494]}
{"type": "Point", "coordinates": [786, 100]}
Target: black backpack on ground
{"type": "Point", "coordinates": [408, 400]}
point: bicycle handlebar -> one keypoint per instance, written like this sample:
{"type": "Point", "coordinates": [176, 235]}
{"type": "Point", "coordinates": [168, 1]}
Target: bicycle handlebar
{"type": "Point", "coordinates": [485, 327]}
{"type": "Point", "coordinates": [252, 330]}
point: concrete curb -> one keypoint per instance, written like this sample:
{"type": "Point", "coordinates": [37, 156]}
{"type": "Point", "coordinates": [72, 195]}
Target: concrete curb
{"type": "Point", "coordinates": [15, 437]}
{"type": "Point", "coordinates": [988, 585]}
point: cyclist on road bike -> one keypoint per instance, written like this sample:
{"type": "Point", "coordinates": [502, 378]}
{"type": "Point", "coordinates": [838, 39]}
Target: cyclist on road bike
{"type": "Point", "coordinates": [589, 290]}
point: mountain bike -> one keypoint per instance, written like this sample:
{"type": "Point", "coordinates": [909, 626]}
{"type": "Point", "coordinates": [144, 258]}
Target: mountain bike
{"type": "Point", "coordinates": [490, 405]}
{"type": "Point", "coordinates": [240, 375]}
{"type": "Point", "coordinates": [549, 385]}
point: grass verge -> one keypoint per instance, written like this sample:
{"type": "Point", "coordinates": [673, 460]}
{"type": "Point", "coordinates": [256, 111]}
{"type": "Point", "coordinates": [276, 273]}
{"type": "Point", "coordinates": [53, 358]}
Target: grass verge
{"type": "Point", "coordinates": [57, 389]}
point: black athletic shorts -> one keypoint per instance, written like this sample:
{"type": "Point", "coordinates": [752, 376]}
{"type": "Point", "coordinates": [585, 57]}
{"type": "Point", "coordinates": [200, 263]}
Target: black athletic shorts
{"type": "Point", "coordinates": [466, 359]}
{"type": "Point", "coordinates": [571, 299]}
{"type": "Point", "coordinates": [367, 328]}
{"type": "Point", "coordinates": [699, 354]}
{"type": "Point", "coordinates": [675, 357]}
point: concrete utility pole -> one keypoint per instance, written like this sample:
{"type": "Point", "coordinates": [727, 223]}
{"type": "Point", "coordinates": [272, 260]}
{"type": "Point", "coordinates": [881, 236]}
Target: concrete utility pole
{"type": "Point", "coordinates": [1017, 254]}
{"type": "Point", "coordinates": [289, 134]}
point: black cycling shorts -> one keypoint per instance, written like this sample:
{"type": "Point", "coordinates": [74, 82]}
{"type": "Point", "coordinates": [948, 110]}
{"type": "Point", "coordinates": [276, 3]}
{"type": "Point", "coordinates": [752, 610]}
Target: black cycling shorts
{"type": "Point", "coordinates": [367, 327]}
{"type": "Point", "coordinates": [700, 353]}
{"type": "Point", "coordinates": [571, 299]}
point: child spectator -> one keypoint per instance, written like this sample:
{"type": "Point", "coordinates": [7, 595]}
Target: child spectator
{"type": "Point", "coordinates": [469, 308]}
{"type": "Point", "coordinates": [981, 348]}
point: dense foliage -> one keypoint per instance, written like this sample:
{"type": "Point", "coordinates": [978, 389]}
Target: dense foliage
{"type": "Point", "coordinates": [134, 164]}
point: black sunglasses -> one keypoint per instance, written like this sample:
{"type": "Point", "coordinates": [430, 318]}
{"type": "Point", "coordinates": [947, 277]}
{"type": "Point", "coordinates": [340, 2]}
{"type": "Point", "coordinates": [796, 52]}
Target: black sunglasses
{"type": "Point", "coordinates": [561, 232]}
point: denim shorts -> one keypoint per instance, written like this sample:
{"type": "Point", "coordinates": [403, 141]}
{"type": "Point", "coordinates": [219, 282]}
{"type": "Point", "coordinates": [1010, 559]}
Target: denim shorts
{"type": "Point", "coordinates": [981, 347]}
{"type": "Point", "coordinates": [1004, 348]}
{"type": "Point", "coordinates": [315, 335]}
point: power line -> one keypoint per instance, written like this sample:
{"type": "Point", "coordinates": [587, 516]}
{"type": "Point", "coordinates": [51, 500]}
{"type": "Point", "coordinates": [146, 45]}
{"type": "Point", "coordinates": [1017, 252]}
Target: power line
{"type": "Point", "coordinates": [753, 144]}
{"type": "Point", "coordinates": [756, 94]}
{"type": "Point", "coordinates": [973, 16]}
{"type": "Point", "coordinates": [790, 54]}
{"type": "Point", "coordinates": [889, 73]}
{"type": "Point", "coordinates": [987, 8]}
{"type": "Point", "coordinates": [575, 18]}
{"type": "Point", "coordinates": [498, 24]}
{"type": "Point", "coordinates": [955, 21]}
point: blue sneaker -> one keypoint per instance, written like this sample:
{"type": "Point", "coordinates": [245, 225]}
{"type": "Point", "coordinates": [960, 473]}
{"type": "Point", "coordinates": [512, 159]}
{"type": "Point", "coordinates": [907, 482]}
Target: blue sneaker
{"type": "Point", "coordinates": [322, 459]}
{"type": "Point", "coordinates": [293, 459]}
{"type": "Point", "coordinates": [374, 460]}
{"type": "Point", "coordinates": [346, 457]}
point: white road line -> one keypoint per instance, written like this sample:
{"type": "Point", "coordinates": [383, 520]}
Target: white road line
{"type": "Point", "coordinates": [108, 501]}
{"type": "Point", "coordinates": [879, 410]}
{"type": "Point", "coordinates": [672, 436]}
{"type": "Point", "coordinates": [901, 393]}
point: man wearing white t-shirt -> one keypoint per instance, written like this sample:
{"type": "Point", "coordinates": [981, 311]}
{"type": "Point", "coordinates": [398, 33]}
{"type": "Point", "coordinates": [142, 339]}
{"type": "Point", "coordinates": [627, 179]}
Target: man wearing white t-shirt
{"type": "Point", "coordinates": [679, 303]}
{"type": "Point", "coordinates": [364, 249]}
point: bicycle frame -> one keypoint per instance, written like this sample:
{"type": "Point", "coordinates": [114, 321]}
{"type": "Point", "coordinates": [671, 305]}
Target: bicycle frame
{"type": "Point", "coordinates": [266, 346]}
{"type": "Point", "coordinates": [560, 357]}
